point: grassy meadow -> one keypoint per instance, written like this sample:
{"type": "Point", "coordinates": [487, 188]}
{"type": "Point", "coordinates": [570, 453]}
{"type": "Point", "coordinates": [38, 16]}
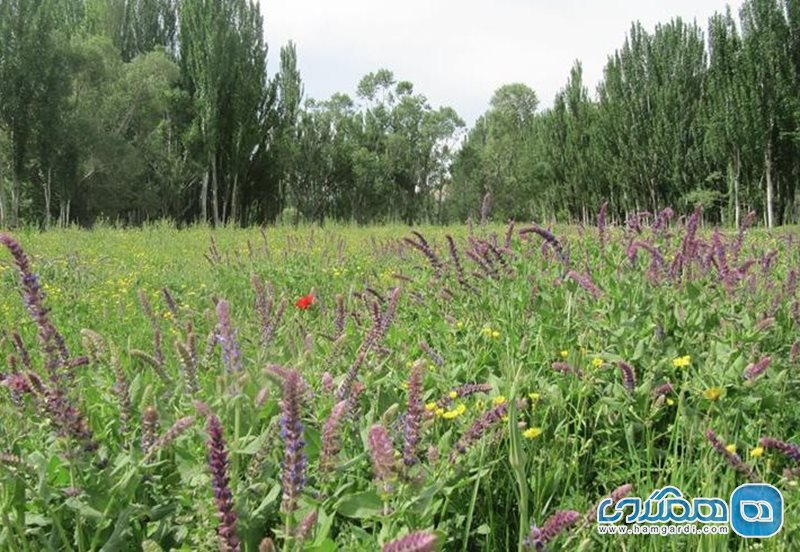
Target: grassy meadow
{"type": "Point", "coordinates": [199, 402]}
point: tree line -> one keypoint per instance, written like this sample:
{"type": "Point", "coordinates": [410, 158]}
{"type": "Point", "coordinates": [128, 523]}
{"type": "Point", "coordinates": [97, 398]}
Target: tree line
{"type": "Point", "coordinates": [680, 118]}
{"type": "Point", "coordinates": [133, 110]}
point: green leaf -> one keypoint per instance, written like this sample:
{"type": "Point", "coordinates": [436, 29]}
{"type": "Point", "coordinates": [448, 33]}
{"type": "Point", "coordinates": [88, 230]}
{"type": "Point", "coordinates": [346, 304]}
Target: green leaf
{"type": "Point", "coordinates": [361, 505]}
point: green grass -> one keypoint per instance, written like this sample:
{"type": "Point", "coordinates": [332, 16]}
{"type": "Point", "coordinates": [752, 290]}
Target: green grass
{"type": "Point", "coordinates": [595, 436]}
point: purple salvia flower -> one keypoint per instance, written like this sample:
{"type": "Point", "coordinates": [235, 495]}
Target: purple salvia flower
{"type": "Point", "coordinates": [188, 364]}
{"type": "Point", "coordinates": [419, 541]}
{"type": "Point", "coordinates": [327, 382]}
{"type": "Point", "coordinates": [391, 310]}
{"type": "Point", "coordinates": [479, 427]}
{"type": "Point", "coordinates": [338, 323]}
{"type": "Point", "coordinates": [22, 351]}
{"type": "Point", "coordinates": [748, 220]}
{"type": "Point", "coordinates": [381, 452]}
{"type": "Point", "coordinates": [549, 238]}
{"type": "Point", "coordinates": [52, 343]}
{"type": "Point", "coordinates": [616, 495]}
{"type": "Point", "coordinates": [509, 235]}
{"type": "Point", "coordinates": [267, 545]}
{"type": "Point", "coordinates": [628, 375]}
{"type": "Point", "coordinates": [754, 370]}
{"type": "Point", "coordinates": [451, 247]}
{"type": "Point", "coordinates": [733, 459]}
{"type": "Point", "coordinates": [227, 338]}
{"type": "Point", "coordinates": [423, 247]}
{"type": "Point", "coordinates": [172, 306]}
{"type": "Point", "coordinates": [565, 368]}
{"type": "Point", "coordinates": [264, 304]}
{"type": "Point", "coordinates": [662, 220]}
{"type": "Point", "coordinates": [17, 385]}
{"type": "Point", "coordinates": [663, 389]}
{"type": "Point", "coordinates": [294, 458]}
{"type": "Point", "coordinates": [177, 429]}
{"type": "Point", "coordinates": [435, 356]}
{"type": "Point", "coordinates": [331, 437]}
{"type": "Point", "coordinates": [557, 523]}
{"type": "Point", "coordinates": [121, 391]}
{"type": "Point", "coordinates": [789, 450]}
{"type": "Point", "coordinates": [306, 527]}
{"type": "Point", "coordinates": [148, 312]}
{"type": "Point", "coordinates": [764, 324]}
{"type": "Point", "coordinates": [586, 283]}
{"type": "Point", "coordinates": [719, 252]}
{"type": "Point", "coordinates": [149, 429]}
{"type": "Point", "coordinates": [601, 225]}
{"type": "Point", "coordinates": [223, 497]}
{"type": "Point", "coordinates": [413, 417]}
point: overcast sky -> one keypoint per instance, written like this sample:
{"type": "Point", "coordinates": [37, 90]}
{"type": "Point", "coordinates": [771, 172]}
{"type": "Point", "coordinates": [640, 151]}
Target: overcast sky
{"type": "Point", "coordinates": [457, 52]}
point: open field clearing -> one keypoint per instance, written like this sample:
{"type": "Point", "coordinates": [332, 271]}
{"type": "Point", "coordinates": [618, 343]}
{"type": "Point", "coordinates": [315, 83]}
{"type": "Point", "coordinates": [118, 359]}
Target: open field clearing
{"type": "Point", "coordinates": [341, 388]}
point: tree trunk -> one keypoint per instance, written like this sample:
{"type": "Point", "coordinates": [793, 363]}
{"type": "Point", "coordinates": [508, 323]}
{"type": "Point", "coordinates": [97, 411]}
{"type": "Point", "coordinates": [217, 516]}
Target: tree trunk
{"type": "Point", "coordinates": [16, 187]}
{"type": "Point", "coordinates": [214, 191]}
{"type": "Point", "coordinates": [768, 171]}
{"type": "Point", "coordinates": [47, 195]}
{"type": "Point", "coordinates": [234, 198]}
{"type": "Point", "coordinates": [204, 198]}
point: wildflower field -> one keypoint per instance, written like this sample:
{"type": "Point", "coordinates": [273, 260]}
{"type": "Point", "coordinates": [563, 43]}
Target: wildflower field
{"type": "Point", "coordinates": [342, 388]}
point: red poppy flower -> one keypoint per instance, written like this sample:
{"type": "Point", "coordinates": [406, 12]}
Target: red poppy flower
{"type": "Point", "coordinates": [304, 302]}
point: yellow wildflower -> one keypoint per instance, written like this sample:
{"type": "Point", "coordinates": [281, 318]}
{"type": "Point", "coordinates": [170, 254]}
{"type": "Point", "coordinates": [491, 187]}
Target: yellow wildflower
{"type": "Point", "coordinates": [460, 325]}
{"type": "Point", "coordinates": [534, 397]}
{"type": "Point", "coordinates": [731, 448]}
{"type": "Point", "coordinates": [564, 353]}
{"type": "Point", "coordinates": [453, 395]}
{"type": "Point", "coordinates": [430, 407]}
{"type": "Point", "coordinates": [682, 362]}
{"type": "Point", "coordinates": [712, 393]}
{"type": "Point", "coordinates": [495, 334]}
{"type": "Point", "coordinates": [457, 411]}
{"type": "Point", "coordinates": [670, 402]}
{"type": "Point", "coordinates": [440, 412]}
{"type": "Point", "coordinates": [532, 432]}
{"type": "Point", "coordinates": [597, 362]}
{"type": "Point", "coordinates": [757, 452]}
{"type": "Point", "coordinates": [498, 400]}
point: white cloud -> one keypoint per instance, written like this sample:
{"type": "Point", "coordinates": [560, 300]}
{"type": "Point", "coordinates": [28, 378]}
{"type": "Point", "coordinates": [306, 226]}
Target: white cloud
{"type": "Point", "coordinates": [458, 52]}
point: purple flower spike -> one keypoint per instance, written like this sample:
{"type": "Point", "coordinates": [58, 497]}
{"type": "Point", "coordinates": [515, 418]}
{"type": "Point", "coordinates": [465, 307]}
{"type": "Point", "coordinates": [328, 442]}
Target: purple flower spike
{"type": "Point", "coordinates": [52, 342]}
{"type": "Point", "coordinates": [555, 525]}
{"type": "Point", "coordinates": [754, 370]}
{"type": "Point", "coordinates": [382, 453]}
{"type": "Point", "coordinates": [419, 541]}
{"type": "Point", "coordinates": [413, 417]}
{"type": "Point", "coordinates": [223, 497]}
{"type": "Point", "coordinates": [733, 459]}
{"type": "Point", "coordinates": [294, 458]}
{"type": "Point", "coordinates": [227, 338]}
{"type": "Point", "coordinates": [628, 375]}
{"type": "Point", "coordinates": [789, 450]}
{"type": "Point", "coordinates": [331, 432]}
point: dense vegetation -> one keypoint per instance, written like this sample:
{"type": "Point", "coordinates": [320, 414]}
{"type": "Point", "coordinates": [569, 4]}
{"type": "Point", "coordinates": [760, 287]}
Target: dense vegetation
{"type": "Point", "coordinates": [134, 110]}
{"type": "Point", "coordinates": [336, 390]}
